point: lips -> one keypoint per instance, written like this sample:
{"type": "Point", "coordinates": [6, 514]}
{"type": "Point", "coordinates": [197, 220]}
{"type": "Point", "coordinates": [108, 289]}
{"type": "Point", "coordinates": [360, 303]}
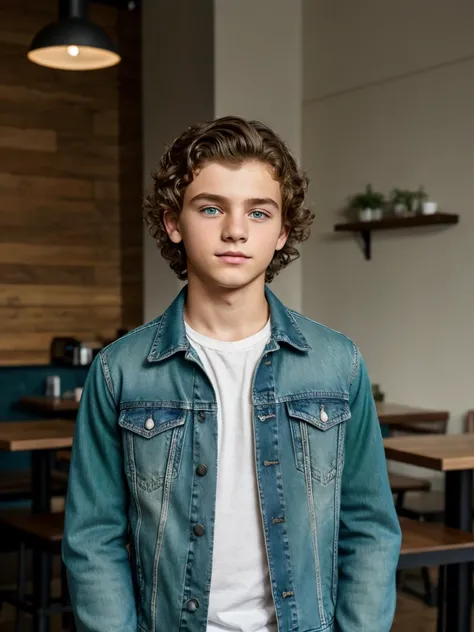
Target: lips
{"type": "Point", "coordinates": [233, 257]}
{"type": "Point", "coordinates": [230, 253]}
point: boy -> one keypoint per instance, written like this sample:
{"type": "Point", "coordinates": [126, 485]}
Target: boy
{"type": "Point", "coordinates": [232, 443]}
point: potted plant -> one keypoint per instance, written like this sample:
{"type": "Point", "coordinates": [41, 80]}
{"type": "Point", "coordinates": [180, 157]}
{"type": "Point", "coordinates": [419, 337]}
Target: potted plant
{"type": "Point", "coordinates": [419, 198]}
{"type": "Point", "coordinates": [425, 205]}
{"type": "Point", "coordinates": [398, 202]}
{"type": "Point", "coordinates": [369, 204]}
{"type": "Point", "coordinates": [401, 202]}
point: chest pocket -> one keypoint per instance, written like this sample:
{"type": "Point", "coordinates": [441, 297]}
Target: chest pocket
{"type": "Point", "coordinates": [153, 439]}
{"type": "Point", "coordinates": [316, 430]}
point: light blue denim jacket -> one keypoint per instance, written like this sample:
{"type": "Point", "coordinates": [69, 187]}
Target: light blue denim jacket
{"type": "Point", "coordinates": [147, 421]}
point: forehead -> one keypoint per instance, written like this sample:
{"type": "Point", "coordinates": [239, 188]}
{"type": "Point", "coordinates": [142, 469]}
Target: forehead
{"type": "Point", "coordinates": [250, 178]}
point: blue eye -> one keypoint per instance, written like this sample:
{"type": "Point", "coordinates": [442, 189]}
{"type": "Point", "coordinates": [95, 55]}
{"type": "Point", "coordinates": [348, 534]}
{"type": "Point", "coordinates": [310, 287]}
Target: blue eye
{"type": "Point", "coordinates": [260, 214]}
{"type": "Point", "coordinates": [212, 211]}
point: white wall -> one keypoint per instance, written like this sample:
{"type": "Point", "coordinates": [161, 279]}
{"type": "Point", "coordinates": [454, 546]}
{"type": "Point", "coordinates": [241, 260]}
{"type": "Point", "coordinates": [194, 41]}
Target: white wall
{"type": "Point", "coordinates": [258, 74]}
{"type": "Point", "coordinates": [389, 99]}
{"type": "Point", "coordinates": [213, 58]}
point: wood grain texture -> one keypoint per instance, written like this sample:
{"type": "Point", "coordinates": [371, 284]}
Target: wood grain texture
{"type": "Point", "coordinates": [46, 434]}
{"type": "Point", "coordinates": [70, 189]}
{"type": "Point", "coordinates": [420, 537]}
{"type": "Point", "coordinates": [436, 452]}
{"type": "Point", "coordinates": [389, 413]}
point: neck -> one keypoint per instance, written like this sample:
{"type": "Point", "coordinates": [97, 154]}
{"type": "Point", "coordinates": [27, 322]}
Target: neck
{"type": "Point", "coordinates": [223, 314]}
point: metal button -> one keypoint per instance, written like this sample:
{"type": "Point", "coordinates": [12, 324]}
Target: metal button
{"type": "Point", "coordinates": [201, 415]}
{"type": "Point", "coordinates": [201, 470]}
{"type": "Point", "coordinates": [149, 423]}
{"type": "Point", "coordinates": [199, 530]}
{"type": "Point", "coordinates": [323, 416]}
{"type": "Point", "coordinates": [192, 605]}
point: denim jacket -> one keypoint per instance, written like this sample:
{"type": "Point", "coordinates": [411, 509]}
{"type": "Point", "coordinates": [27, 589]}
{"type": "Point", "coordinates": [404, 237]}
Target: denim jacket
{"type": "Point", "coordinates": [135, 556]}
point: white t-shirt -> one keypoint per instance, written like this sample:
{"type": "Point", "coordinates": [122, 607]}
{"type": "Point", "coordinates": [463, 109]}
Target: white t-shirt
{"type": "Point", "coordinates": [241, 598]}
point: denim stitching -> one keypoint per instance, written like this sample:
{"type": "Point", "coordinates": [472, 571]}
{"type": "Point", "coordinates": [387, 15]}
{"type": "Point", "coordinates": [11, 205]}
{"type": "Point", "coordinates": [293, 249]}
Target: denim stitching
{"type": "Point", "coordinates": [314, 528]}
{"type": "Point", "coordinates": [355, 365]}
{"type": "Point", "coordinates": [105, 372]}
{"type": "Point", "coordinates": [133, 473]}
{"type": "Point", "coordinates": [161, 527]}
{"type": "Point", "coordinates": [188, 405]}
{"type": "Point", "coordinates": [274, 587]}
{"type": "Point", "coordinates": [337, 503]}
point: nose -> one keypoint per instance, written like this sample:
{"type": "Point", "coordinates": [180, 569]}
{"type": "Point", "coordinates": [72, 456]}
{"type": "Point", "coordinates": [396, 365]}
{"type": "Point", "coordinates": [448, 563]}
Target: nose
{"type": "Point", "coordinates": [235, 228]}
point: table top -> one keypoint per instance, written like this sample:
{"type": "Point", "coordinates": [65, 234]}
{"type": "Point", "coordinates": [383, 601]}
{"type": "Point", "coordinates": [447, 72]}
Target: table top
{"type": "Point", "coordinates": [49, 404]}
{"type": "Point", "coordinates": [435, 452]}
{"type": "Point", "coordinates": [400, 414]}
{"type": "Point", "coordinates": [46, 434]}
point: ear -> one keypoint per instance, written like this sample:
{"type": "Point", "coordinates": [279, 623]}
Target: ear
{"type": "Point", "coordinates": [171, 222]}
{"type": "Point", "coordinates": [285, 231]}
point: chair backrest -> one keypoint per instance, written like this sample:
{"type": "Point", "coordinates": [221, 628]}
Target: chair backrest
{"type": "Point", "coordinates": [469, 421]}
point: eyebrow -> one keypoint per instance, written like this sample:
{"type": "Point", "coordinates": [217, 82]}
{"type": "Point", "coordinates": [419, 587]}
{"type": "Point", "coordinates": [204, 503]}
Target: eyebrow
{"type": "Point", "coordinates": [220, 199]}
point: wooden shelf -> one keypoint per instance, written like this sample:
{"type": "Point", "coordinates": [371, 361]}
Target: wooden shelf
{"type": "Point", "coordinates": [366, 228]}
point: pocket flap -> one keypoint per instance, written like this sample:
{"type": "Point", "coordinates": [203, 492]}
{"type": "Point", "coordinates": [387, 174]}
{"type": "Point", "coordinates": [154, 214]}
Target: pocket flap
{"type": "Point", "coordinates": [322, 412]}
{"type": "Point", "coordinates": [148, 422]}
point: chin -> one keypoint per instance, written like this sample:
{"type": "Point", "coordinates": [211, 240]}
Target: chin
{"type": "Point", "coordinates": [237, 281]}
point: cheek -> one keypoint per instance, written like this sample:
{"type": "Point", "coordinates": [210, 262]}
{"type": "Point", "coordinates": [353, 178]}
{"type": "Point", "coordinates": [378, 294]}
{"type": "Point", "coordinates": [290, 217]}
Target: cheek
{"type": "Point", "coordinates": [195, 238]}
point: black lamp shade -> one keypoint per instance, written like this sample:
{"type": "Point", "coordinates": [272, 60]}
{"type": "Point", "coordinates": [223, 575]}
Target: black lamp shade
{"type": "Point", "coordinates": [73, 43]}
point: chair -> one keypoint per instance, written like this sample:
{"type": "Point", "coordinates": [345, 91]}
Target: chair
{"type": "Point", "coordinates": [426, 544]}
{"type": "Point", "coordinates": [15, 485]}
{"type": "Point", "coordinates": [417, 492]}
{"type": "Point", "coordinates": [400, 485]}
{"type": "Point", "coordinates": [43, 534]}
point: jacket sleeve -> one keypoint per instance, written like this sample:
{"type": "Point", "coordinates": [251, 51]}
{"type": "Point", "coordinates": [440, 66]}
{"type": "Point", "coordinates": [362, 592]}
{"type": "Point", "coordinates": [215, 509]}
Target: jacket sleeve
{"type": "Point", "coordinates": [96, 526]}
{"type": "Point", "coordinates": [369, 530]}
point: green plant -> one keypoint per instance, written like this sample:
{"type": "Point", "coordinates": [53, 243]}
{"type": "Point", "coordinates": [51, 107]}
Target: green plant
{"type": "Point", "coordinates": [369, 199]}
{"type": "Point", "coordinates": [412, 200]}
{"type": "Point", "coordinates": [420, 196]}
{"type": "Point", "coordinates": [401, 196]}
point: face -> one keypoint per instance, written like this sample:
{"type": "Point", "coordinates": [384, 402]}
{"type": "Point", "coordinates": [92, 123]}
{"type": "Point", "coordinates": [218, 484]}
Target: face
{"type": "Point", "coordinates": [230, 224]}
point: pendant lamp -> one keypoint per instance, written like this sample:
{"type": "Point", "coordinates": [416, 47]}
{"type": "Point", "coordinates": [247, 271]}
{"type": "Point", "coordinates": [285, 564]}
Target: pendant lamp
{"type": "Point", "coordinates": [73, 42]}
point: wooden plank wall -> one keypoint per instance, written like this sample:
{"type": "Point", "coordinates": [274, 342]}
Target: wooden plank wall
{"type": "Point", "coordinates": [70, 189]}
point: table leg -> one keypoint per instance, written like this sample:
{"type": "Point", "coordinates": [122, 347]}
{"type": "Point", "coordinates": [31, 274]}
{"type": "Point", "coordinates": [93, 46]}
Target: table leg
{"type": "Point", "coordinates": [41, 589]}
{"type": "Point", "coordinates": [458, 583]}
{"type": "Point", "coordinates": [41, 461]}
{"type": "Point", "coordinates": [41, 503]}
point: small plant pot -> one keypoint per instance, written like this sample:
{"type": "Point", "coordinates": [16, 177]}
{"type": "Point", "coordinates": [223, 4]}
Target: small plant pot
{"type": "Point", "coordinates": [430, 208]}
{"type": "Point", "coordinates": [377, 214]}
{"type": "Point", "coordinates": [366, 214]}
{"type": "Point", "coordinates": [400, 209]}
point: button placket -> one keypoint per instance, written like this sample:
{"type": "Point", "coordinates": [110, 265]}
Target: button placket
{"type": "Point", "coordinates": [192, 605]}
{"type": "Point", "coordinates": [199, 530]}
{"type": "Point", "coordinates": [275, 503]}
{"type": "Point", "coordinates": [201, 470]}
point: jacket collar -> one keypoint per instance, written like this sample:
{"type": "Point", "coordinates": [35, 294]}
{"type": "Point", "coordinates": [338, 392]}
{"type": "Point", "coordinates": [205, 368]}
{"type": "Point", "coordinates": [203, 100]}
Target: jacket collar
{"type": "Point", "coordinates": [171, 338]}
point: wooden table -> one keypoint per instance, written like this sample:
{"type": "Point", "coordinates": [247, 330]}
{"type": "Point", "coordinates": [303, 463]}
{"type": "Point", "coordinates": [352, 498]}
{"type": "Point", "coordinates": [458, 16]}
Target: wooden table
{"type": "Point", "coordinates": [453, 455]}
{"type": "Point", "coordinates": [43, 438]}
{"type": "Point", "coordinates": [38, 436]}
{"type": "Point", "coordinates": [399, 414]}
{"type": "Point", "coordinates": [50, 406]}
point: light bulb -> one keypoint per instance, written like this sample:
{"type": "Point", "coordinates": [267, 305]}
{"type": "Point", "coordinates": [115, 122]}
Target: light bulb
{"type": "Point", "coordinates": [73, 51]}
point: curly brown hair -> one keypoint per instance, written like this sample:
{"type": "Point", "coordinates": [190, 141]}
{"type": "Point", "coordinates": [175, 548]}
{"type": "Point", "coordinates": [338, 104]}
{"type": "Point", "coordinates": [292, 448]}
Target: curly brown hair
{"type": "Point", "coordinates": [228, 139]}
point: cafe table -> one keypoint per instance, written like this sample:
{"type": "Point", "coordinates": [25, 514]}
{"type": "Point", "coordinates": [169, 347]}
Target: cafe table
{"type": "Point", "coordinates": [42, 438]}
{"type": "Point", "coordinates": [50, 406]}
{"type": "Point", "coordinates": [453, 455]}
{"type": "Point", "coordinates": [398, 414]}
